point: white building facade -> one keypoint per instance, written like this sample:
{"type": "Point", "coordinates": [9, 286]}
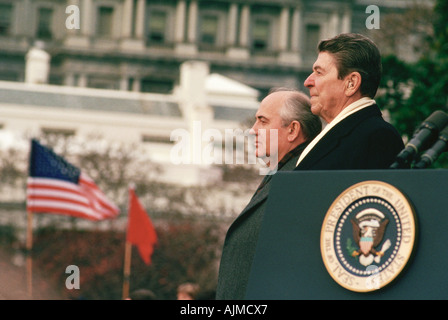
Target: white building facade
{"type": "Point", "coordinates": [136, 70]}
{"type": "Point", "coordinates": [202, 103]}
{"type": "Point", "coordinates": [139, 45]}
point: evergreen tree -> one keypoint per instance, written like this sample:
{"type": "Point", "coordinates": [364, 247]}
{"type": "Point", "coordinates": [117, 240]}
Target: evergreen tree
{"type": "Point", "coordinates": [411, 92]}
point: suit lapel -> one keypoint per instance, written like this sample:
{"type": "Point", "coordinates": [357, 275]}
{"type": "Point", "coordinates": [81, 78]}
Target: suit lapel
{"type": "Point", "coordinates": [262, 194]}
{"type": "Point", "coordinates": [332, 138]}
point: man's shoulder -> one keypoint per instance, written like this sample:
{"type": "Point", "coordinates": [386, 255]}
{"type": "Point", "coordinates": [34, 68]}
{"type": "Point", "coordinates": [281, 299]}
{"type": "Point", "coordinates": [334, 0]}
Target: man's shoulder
{"type": "Point", "coordinates": [369, 119]}
{"type": "Point", "coordinates": [290, 164]}
{"type": "Point", "coordinates": [293, 157]}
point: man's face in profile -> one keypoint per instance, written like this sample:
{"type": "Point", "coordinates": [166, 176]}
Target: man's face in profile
{"type": "Point", "coordinates": [270, 134]}
{"type": "Point", "coordinates": [326, 89]}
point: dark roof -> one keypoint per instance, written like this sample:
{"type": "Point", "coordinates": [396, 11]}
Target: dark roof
{"type": "Point", "coordinates": [85, 102]}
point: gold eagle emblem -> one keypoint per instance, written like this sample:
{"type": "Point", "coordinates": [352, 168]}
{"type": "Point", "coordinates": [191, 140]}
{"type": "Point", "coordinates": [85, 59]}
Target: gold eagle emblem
{"type": "Point", "coordinates": [369, 226]}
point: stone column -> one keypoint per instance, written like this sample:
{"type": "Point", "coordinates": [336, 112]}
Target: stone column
{"type": "Point", "coordinates": [37, 69]}
{"type": "Point", "coordinates": [69, 79]}
{"type": "Point", "coordinates": [244, 26]}
{"type": "Point", "coordinates": [124, 83]}
{"type": "Point", "coordinates": [140, 19]}
{"type": "Point", "coordinates": [193, 102]}
{"type": "Point", "coordinates": [83, 80]}
{"type": "Point", "coordinates": [179, 30]}
{"type": "Point", "coordinates": [136, 84]}
{"type": "Point", "coordinates": [87, 18]}
{"type": "Point", "coordinates": [133, 26]}
{"type": "Point", "coordinates": [240, 49]}
{"type": "Point", "coordinates": [346, 21]}
{"type": "Point", "coordinates": [289, 37]}
{"type": "Point", "coordinates": [188, 48]}
{"type": "Point", "coordinates": [232, 23]}
{"type": "Point", "coordinates": [193, 75]}
{"type": "Point", "coordinates": [284, 29]}
{"type": "Point", "coordinates": [296, 30]}
{"type": "Point", "coordinates": [128, 10]}
{"type": "Point", "coordinates": [24, 26]}
{"type": "Point", "coordinates": [192, 21]}
{"type": "Point", "coordinates": [333, 28]}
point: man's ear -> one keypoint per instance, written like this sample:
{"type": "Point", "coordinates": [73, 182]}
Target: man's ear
{"type": "Point", "coordinates": [293, 130]}
{"type": "Point", "coordinates": [352, 83]}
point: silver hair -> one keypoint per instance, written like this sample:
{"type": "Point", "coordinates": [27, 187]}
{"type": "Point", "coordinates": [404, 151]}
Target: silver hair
{"type": "Point", "coordinates": [297, 107]}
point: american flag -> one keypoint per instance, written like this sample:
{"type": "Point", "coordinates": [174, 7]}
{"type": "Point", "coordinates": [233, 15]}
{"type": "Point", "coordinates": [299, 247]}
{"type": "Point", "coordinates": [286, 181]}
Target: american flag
{"type": "Point", "coordinates": [56, 186]}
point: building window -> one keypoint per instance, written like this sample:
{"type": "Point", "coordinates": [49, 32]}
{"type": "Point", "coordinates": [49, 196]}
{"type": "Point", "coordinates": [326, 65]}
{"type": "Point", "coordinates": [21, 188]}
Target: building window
{"type": "Point", "coordinates": [45, 17]}
{"type": "Point", "coordinates": [5, 18]}
{"type": "Point", "coordinates": [61, 132]}
{"type": "Point", "coordinates": [105, 17]}
{"type": "Point", "coordinates": [208, 30]}
{"type": "Point", "coordinates": [312, 38]}
{"type": "Point", "coordinates": [103, 82]}
{"type": "Point", "coordinates": [156, 139]}
{"type": "Point", "coordinates": [8, 75]}
{"type": "Point", "coordinates": [157, 24]}
{"type": "Point", "coordinates": [261, 34]}
{"type": "Point", "coordinates": [156, 86]}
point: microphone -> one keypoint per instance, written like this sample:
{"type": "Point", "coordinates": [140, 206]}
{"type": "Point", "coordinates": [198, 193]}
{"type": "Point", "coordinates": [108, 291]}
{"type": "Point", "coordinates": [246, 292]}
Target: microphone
{"type": "Point", "coordinates": [431, 155]}
{"type": "Point", "coordinates": [424, 136]}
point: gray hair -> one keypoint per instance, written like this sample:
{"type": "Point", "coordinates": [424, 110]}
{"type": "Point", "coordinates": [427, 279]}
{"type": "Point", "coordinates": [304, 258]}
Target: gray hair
{"type": "Point", "coordinates": [297, 107]}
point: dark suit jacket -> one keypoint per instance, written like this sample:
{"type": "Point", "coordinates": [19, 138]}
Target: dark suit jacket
{"type": "Point", "coordinates": [363, 140]}
{"type": "Point", "coordinates": [241, 240]}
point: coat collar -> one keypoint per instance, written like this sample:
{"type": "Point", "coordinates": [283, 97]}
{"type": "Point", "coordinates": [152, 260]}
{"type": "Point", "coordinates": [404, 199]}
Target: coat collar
{"type": "Point", "coordinates": [339, 131]}
{"type": "Point", "coordinates": [287, 164]}
{"type": "Point", "coordinates": [346, 112]}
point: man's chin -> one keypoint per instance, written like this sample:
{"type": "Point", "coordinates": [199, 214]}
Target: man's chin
{"type": "Point", "coordinates": [315, 108]}
{"type": "Point", "coordinates": [260, 152]}
{"type": "Point", "coordinates": [263, 157]}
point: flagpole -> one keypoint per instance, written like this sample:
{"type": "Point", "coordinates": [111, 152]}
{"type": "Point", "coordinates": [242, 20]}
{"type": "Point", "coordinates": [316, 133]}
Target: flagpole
{"type": "Point", "coordinates": [127, 253]}
{"type": "Point", "coordinates": [29, 258]}
{"type": "Point", "coordinates": [127, 269]}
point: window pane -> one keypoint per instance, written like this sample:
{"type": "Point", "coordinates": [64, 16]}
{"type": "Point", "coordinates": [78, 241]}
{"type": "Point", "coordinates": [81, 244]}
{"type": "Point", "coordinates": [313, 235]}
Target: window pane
{"type": "Point", "coordinates": [157, 21]}
{"type": "Point", "coordinates": [105, 21]}
{"type": "Point", "coordinates": [261, 34]}
{"type": "Point", "coordinates": [261, 30]}
{"type": "Point", "coordinates": [44, 23]}
{"type": "Point", "coordinates": [101, 82]}
{"type": "Point", "coordinates": [312, 38]}
{"type": "Point", "coordinates": [5, 18]}
{"type": "Point", "coordinates": [156, 26]}
{"type": "Point", "coordinates": [209, 29]}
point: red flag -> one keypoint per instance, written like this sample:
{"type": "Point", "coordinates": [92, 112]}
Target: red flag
{"type": "Point", "coordinates": [141, 232]}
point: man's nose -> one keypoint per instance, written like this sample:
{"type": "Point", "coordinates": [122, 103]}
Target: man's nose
{"type": "Point", "coordinates": [253, 130]}
{"type": "Point", "coordinates": [309, 82]}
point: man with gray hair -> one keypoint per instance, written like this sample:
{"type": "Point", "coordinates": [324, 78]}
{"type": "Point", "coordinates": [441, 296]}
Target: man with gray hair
{"type": "Point", "coordinates": [287, 113]}
{"type": "Point", "coordinates": [343, 84]}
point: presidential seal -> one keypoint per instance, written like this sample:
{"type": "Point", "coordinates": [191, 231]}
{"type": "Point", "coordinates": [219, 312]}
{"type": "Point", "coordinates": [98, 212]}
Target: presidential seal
{"type": "Point", "coordinates": [368, 236]}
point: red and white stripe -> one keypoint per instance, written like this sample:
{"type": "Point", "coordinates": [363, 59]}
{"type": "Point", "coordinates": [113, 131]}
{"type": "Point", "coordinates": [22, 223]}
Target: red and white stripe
{"type": "Point", "coordinates": [83, 200]}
